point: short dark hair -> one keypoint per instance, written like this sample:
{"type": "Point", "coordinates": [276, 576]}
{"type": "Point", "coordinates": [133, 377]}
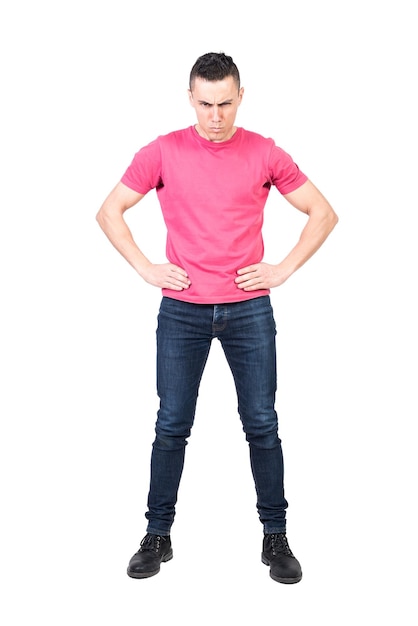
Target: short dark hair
{"type": "Point", "coordinates": [214, 66]}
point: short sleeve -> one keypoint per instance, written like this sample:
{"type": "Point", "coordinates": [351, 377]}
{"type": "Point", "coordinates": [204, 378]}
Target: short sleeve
{"type": "Point", "coordinates": [144, 172]}
{"type": "Point", "coordinates": [284, 172]}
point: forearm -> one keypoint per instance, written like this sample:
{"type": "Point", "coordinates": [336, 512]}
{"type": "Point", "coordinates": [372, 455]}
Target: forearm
{"type": "Point", "coordinates": [321, 221]}
{"type": "Point", "coordinates": [111, 220]}
{"type": "Point", "coordinates": [117, 231]}
{"type": "Point", "coordinates": [311, 239]}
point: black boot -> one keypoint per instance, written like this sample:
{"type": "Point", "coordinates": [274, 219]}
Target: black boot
{"type": "Point", "coordinates": [155, 549]}
{"type": "Point", "coordinates": [284, 567]}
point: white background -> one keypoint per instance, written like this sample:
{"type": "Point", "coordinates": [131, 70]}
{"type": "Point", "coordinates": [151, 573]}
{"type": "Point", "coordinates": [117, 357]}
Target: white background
{"type": "Point", "coordinates": [84, 85]}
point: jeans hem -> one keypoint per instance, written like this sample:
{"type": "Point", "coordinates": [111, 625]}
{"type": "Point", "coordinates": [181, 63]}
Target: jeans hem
{"type": "Point", "coordinates": [156, 531]}
{"type": "Point", "coordinates": [274, 531]}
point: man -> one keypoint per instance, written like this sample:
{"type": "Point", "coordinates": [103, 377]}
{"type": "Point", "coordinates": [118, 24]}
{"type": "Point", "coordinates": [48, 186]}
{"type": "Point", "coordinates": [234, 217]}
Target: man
{"type": "Point", "coordinates": [212, 181]}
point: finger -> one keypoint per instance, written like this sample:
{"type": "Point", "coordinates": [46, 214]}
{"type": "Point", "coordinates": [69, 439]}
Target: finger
{"type": "Point", "coordinates": [175, 286]}
{"type": "Point", "coordinates": [177, 281]}
{"type": "Point", "coordinates": [246, 277]}
{"type": "Point", "coordinates": [247, 270]}
{"type": "Point", "coordinates": [252, 283]}
{"type": "Point", "coordinates": [246, 284]}
{"type": "Point", "coordinates": [178, 270]}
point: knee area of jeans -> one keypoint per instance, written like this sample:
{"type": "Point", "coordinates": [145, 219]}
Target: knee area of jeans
{"type": "Point", "coordinates": [164, 442]}
{"type": "Point", "coordinates": [264, 442]}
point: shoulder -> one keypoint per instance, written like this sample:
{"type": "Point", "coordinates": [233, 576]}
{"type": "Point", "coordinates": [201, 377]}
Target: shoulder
{"type": "Point", "coordinates": [251, 135]}
{"type": "Point", "coordinates": [256, 139]}
{"type": "Point", "coordinates": [268, 144]}
{"type": "Point", "coordinates": [163, 143]}
{"type": "Point", "coordinates": [176, 136]}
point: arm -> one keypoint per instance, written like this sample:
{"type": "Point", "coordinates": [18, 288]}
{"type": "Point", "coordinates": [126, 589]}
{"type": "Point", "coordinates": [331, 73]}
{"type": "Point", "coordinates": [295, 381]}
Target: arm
{"type": "Point", "coordinates": [111, 220]}
{"type": "Point", "coordinates": [321, 221]}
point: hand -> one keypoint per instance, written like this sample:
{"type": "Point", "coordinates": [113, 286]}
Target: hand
{"type": "Point", "coordinates": [166, 275]}
{"type": "Point", "coordinates": [260, 276]}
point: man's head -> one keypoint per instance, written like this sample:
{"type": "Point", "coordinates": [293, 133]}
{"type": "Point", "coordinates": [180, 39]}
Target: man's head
{"type": "Point", "coordinates": [215, 94]}
{"type": "Point", "coordinates": [214, 66]}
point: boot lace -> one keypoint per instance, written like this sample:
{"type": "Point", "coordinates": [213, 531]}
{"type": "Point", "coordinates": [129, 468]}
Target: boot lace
{"type": "Point", "coordinates": [151, 542]}
{"type": "Point", "coordinates": [280, 545]}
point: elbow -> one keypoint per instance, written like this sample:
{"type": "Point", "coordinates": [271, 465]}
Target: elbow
{"type": "Point", "coordinates": [331, 218]}
{"type": "Point", "coordinates": [101, 217]}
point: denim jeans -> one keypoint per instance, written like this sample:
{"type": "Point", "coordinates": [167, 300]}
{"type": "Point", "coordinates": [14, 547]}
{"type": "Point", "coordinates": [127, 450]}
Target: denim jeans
{"type": "Point", "coordinates": [247, 333]}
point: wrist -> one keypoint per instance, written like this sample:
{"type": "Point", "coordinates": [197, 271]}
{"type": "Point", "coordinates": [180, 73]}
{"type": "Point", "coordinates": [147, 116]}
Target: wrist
{"type": "Point", "coordinates": [142, 267]}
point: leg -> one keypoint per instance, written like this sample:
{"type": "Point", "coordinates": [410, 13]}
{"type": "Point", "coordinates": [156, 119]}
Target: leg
{"type": "Point", "coordinates": [249, 345]}
{"type": "Point", "coordinates": [182, 351]}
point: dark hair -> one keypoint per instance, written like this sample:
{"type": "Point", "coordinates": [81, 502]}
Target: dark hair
{"type": "Point", "coordinates": [214, 66]}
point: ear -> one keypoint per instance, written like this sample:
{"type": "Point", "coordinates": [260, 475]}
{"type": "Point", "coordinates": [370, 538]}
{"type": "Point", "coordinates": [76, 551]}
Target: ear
{"type": "Point", "coordinates": [190, 97]}
{"type": "Point", "coordinates": [240, 94]}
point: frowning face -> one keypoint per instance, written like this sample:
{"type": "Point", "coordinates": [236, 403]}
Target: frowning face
{"type": "Point", "coordinates": [216, 104]}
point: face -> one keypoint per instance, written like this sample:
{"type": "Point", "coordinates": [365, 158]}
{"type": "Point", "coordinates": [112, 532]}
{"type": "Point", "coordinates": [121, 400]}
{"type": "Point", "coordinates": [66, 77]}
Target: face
{"type": "Point", "coordinates": [216, 104]}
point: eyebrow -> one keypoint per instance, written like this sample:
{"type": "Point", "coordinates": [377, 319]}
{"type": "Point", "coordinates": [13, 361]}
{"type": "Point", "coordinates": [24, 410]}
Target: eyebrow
{"type": "Point", "coordinates": [229, 101]}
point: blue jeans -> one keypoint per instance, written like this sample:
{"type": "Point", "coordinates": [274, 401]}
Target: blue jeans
{"type": "Point", "coordinates": [247, 334]}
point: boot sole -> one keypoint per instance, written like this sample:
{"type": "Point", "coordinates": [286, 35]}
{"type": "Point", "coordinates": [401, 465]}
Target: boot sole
{"type": "Point", "coordinates": [166, 558]}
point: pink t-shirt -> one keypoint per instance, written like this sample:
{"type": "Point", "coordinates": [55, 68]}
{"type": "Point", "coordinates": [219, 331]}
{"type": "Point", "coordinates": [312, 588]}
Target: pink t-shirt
{"type": "Point", "coordinates": [212, 196]}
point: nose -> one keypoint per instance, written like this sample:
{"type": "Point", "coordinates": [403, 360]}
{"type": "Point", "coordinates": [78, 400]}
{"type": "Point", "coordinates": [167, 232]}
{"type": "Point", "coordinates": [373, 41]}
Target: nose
{"type": "Point", "coordinates": [216, 113]}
